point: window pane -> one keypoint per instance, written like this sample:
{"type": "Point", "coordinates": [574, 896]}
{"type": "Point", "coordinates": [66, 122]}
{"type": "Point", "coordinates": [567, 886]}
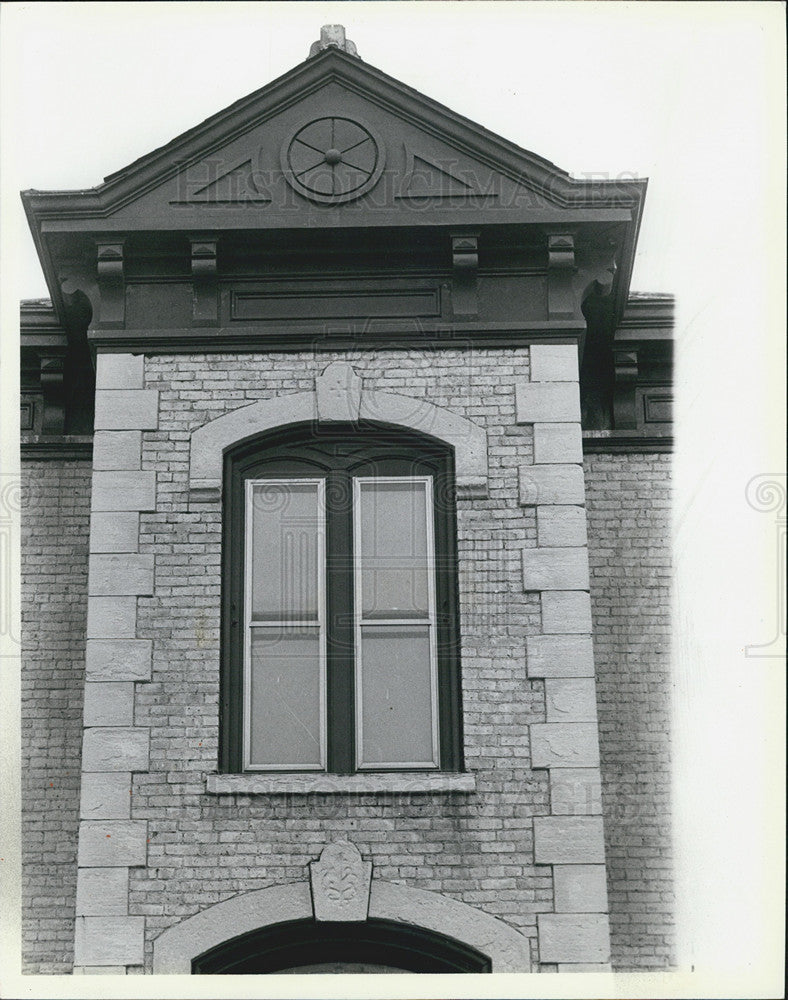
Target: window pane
{"type": "Point", "coordinates": [285, 697]}
{"type": "Point", "coordinates": [396, 709]}
{"type": "Point", "coordinates": [393, 550]}
{"type": "Point", "coordinates": [285, 526]}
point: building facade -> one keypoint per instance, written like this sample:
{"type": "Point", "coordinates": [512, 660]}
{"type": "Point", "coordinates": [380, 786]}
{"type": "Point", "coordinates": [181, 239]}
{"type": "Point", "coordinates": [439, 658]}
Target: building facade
{"type": "Point", "coordinates": [346, 553]}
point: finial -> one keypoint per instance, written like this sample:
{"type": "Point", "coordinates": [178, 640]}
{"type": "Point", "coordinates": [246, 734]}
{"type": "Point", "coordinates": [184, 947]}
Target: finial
{"type": "Point", "coordinates": [332, 36]}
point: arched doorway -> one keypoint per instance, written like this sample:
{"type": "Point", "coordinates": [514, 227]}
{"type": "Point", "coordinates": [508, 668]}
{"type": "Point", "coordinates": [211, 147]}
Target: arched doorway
{"type": "Point", "coordinates": [413, 921]}
{"type": "Point", "coordinates": [379, 946]}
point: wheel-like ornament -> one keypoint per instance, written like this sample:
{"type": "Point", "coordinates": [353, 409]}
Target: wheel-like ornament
{"type": "Point", "coordinates": [333, 159]}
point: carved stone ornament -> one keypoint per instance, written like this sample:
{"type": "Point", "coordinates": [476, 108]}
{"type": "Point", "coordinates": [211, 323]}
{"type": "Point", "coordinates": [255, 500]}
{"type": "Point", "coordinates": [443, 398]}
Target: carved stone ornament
{"type": "Point", "coordinates": [333, 159]}
{"type": "Point", "coordinates": [338, 393]}
{"type": "Point", "coordinates": [340, 883]}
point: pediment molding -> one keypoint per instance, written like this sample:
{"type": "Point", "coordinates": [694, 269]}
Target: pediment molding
{"type": "Point", "coordinates": [371, 85]}
{"type": "Point", "coordinates": [425, 168]}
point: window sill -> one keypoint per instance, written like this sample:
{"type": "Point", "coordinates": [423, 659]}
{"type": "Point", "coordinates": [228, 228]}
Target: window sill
{"type": "Point", "coordinates": [337, 784]}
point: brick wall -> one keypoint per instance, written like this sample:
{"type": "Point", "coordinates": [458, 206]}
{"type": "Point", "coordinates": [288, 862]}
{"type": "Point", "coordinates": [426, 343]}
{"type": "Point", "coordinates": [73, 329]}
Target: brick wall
{"type": "Point", "coordinates": [203, 849]}
{"type": "Point", "coordinates": [479, 849]}
{"type": "Point", "coordinates": [628, 503]}
{"type": "Point", "coordinates": [55, 524]}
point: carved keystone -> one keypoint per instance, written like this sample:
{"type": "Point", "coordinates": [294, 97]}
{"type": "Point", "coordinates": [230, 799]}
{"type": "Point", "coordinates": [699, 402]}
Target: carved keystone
{"type": "Point", "coordinates": [340, 883]}
{"type": "Point", "coordinates": [338, 393]}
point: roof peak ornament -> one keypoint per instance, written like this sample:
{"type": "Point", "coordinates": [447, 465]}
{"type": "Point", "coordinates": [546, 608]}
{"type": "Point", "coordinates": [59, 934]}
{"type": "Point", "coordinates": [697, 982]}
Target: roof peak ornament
{"type": "Point", "coordinates": [332, 36]}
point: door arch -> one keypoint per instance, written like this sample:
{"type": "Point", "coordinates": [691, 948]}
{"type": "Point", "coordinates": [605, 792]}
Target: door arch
{"type": "Point", "coordinates": [369, 946]}
{"type": "Point", "coordinates": [432, 914]}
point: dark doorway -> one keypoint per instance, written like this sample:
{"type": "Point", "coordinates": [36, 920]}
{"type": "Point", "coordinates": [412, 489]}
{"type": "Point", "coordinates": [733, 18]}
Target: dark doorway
{"type": "Point", "coordinates": [305, 946]}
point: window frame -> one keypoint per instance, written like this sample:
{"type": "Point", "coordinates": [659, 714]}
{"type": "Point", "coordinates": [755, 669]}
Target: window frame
{"type": "Point", "coordinates": [319, 623]}
{"type": "Point", "coordinates": [337, 453]}
{"type": "Point", "coordinates": [429, 622]}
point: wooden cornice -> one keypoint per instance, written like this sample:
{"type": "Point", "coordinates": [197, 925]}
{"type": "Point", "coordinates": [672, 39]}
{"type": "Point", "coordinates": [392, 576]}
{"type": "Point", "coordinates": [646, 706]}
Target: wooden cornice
{"type": "Point", "coordinates": [56, 217]}
{"type": "Point", "coordinates": [525, 167]}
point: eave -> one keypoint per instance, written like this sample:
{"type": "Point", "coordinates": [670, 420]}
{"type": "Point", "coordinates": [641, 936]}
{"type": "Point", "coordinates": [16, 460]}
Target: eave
{"type": "Point", "coordinates": [570, 202]}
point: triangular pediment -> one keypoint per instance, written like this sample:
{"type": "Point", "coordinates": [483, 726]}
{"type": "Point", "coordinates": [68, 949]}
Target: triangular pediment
{"type": "Point", "coordinates": [334, 142]}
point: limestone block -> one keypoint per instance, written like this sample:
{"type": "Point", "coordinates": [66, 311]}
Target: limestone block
{"type": "Point", "coordinates": [561, 526]}
{"type": "Point", "coordinates": [556, 443]}
{"type": "Point", "coordinates": [118, 659]}
{"type": "Point", "coordinates": [554, 363]}
{"type": "Point", "coordinates": [121, 410]}
{"type": "Point", "coordinates": [547, 402]}
{"type": "Point", "coordinates": [560, 655]}
{"type": "Point", "coordinates": [105, 795]}
{"type": "Point", "coordinates": [120, 575]}
{"type": "Point", "coordinates": [112, 617]}
{"type": "Point", "coordinates": [555, 569]}
{"type": "Point", "coordinates": [580, 888]}
{"type": "Point", "coordinates": [565, 937]}
{"type": "Point", "coordinates": [551, 484]}
{"type": "Point", "coordinates": [338, 392]}
{"type": "Point", "coordinates": [365, 782]}
{"type": "Point", "coordinates": [109, 941]}
{"type": "Point", "coordinates": [472, 488]}
{"type": "Point", "coordinates": [116, 748]}
{"type": "Point", "coordinates": [120, 371]}
{"type": "Point", "coordinates": [109, 704]}
{"type": "Point", "coordinates": [575, 791]}
{"type": "Point", "coordinates": [102, 892]}
{"type": "Point", "coordinates": [564, 744]}
{"type": "Point", "coordinates": [570, 699]}
{"type": "Point", "coordinates": [569, 840]}
{"type": "Point", "coordinates": [123, 491]}
{"type": "Point", "coordinates": [566, 611]}
{"type": "Point", "coordinates": [117, 450]}
{"type": "Point", "coordinates": [112, 843]}
{"type": "Point", "coordinates": [116, 532]}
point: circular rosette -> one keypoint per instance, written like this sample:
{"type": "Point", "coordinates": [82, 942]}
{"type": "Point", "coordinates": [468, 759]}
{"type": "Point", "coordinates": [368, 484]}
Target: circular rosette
{"type": "Point", "coordinates": [333, 160]}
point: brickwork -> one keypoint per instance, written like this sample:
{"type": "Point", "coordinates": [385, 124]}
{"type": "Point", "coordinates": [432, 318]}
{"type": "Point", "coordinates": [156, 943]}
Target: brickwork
{"type": "Point", "coordinates": [628, 503]}
{"type": "Point", "coordinates": [197, 849]}
{"type": "Point", "coordinates": [203, 849]}
{"type": "Point", "coordinates": [55, 523]}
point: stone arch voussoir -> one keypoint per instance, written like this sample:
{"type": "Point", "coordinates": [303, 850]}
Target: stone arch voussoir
{"type": "Point", "coordinates": [176, 948]}
{"type": "Point", "coordinates": [209, 442]}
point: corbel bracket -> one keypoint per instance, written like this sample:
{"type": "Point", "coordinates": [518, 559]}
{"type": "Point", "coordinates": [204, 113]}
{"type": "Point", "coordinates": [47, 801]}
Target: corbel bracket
{"type": "Point", "coordinates": [624, 396]}
{"type": "Point", "coordinates": [561, 268]}
{"type": "Point", "coordinates": [52, 367]}
{"type": "Point", "coordinates": [205, 284]}
{"type": "Point", "coordinates": [111, 284]}
{"type": "Point", "coordinates": [465, 266]}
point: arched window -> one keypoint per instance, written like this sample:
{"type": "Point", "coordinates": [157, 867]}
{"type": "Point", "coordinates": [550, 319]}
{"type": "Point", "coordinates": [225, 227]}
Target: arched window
{"type": "Point", "coordinates": [305, 946]}
{"type": "Point", "coordinates": [340, 647]}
